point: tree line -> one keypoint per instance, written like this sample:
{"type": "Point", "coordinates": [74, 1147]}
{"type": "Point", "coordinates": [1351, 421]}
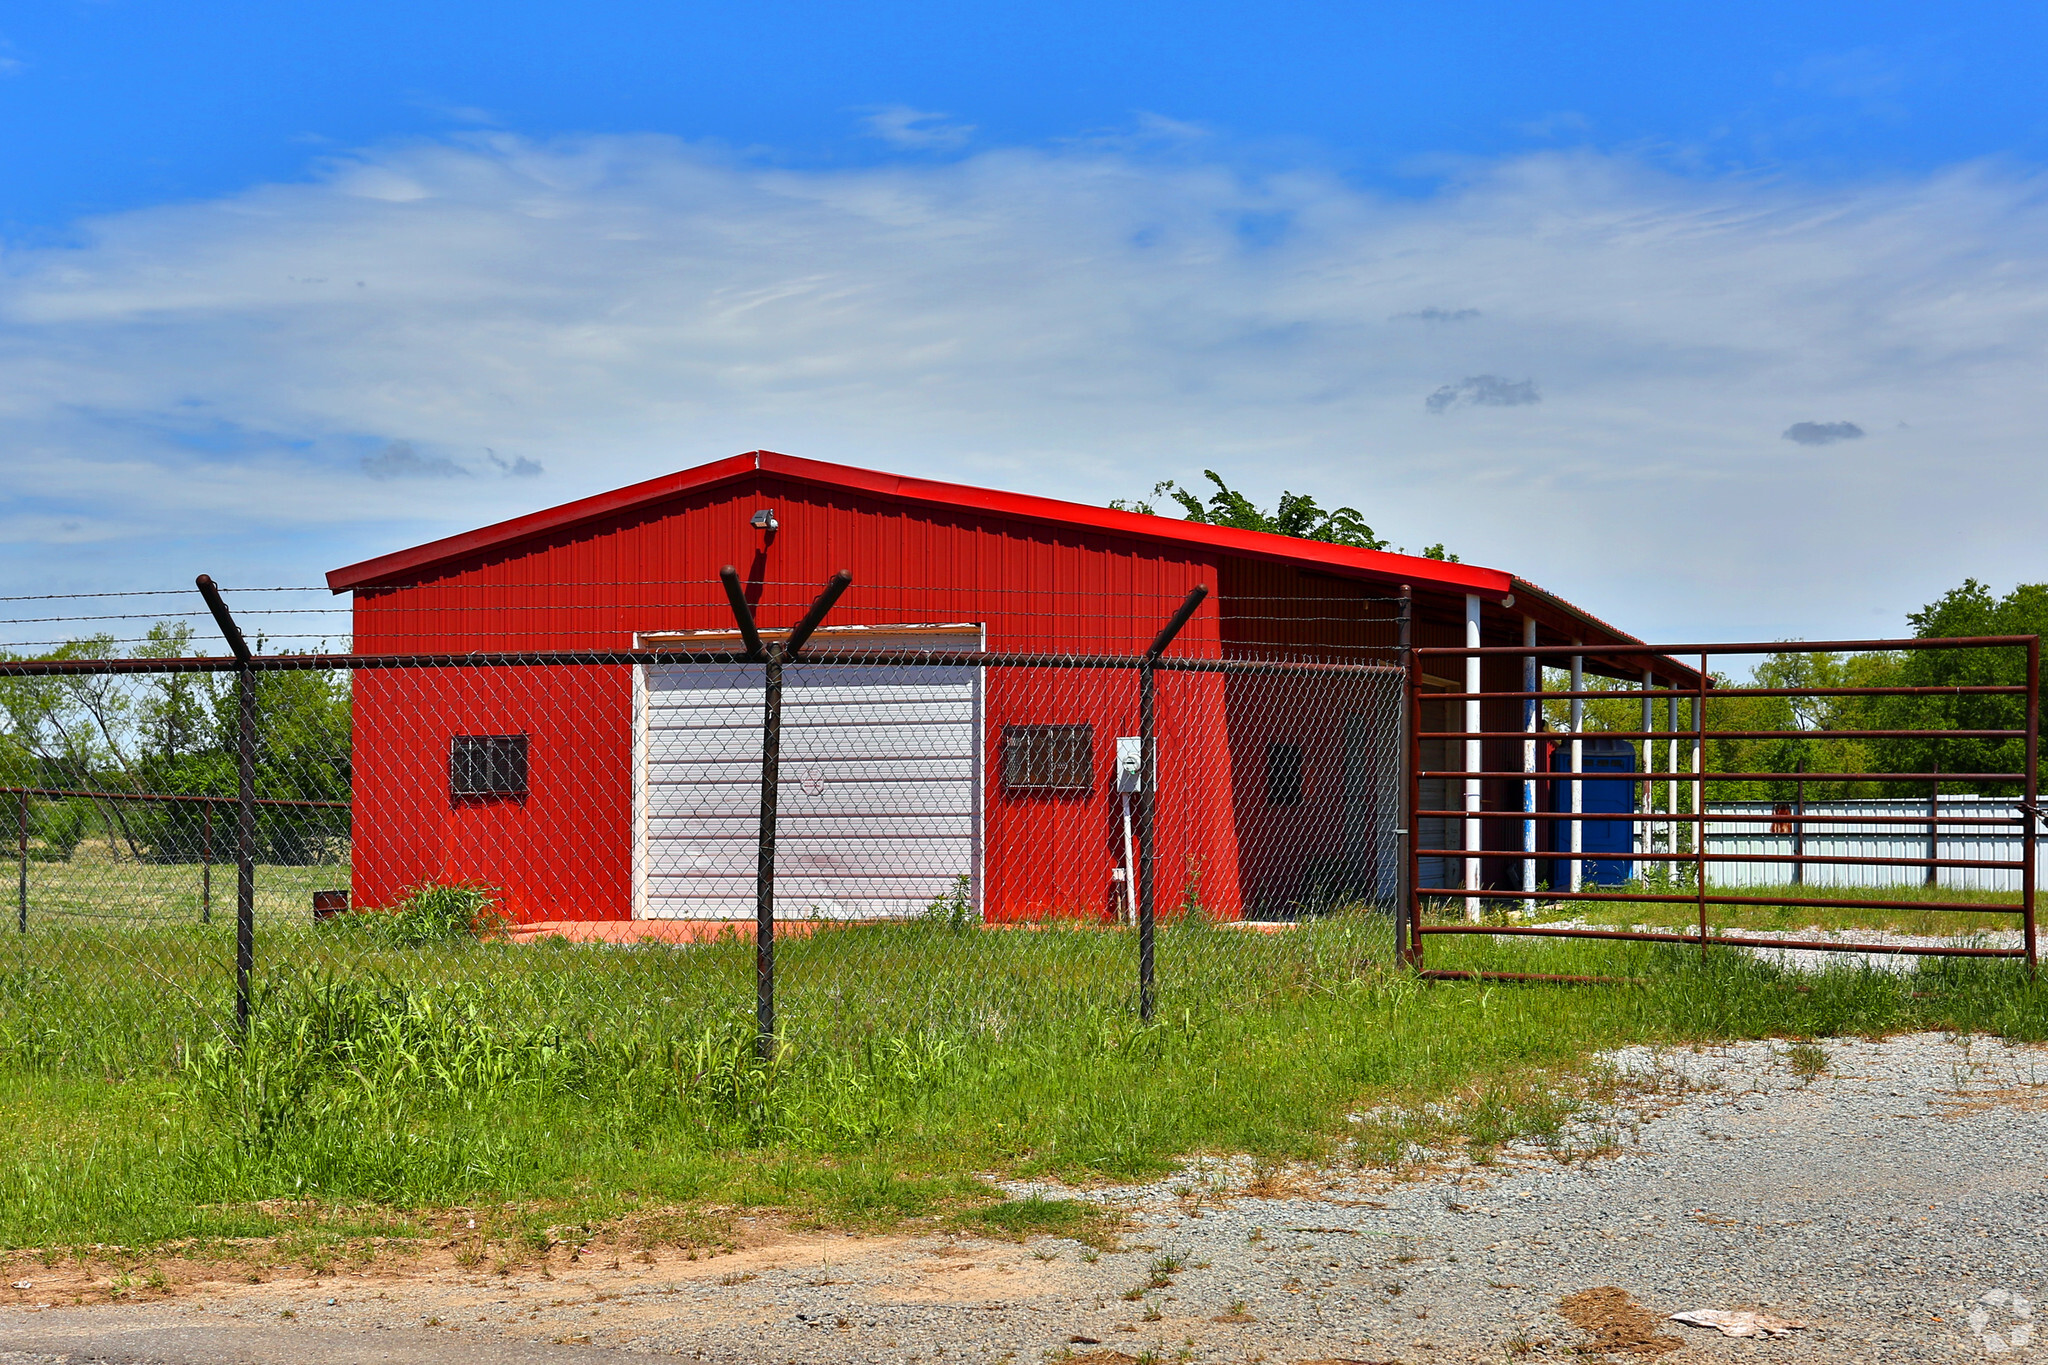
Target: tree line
{"type": "Point", "coordinates": [174, 734]}
{"type": "Point", "coordinates": [1971, 609]}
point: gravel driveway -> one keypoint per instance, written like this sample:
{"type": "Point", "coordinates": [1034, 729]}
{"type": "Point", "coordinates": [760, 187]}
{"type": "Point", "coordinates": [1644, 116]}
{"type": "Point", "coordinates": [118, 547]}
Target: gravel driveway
{"type": "Point", "coordinates": [1878, 1202]}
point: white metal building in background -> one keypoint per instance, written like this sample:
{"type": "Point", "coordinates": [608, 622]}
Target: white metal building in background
{"type": "Point", "coordinates": [1833, 850]}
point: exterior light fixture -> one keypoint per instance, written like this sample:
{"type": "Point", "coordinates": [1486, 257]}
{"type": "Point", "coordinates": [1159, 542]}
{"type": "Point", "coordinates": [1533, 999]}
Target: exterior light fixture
{"type": "Point", "coordinates": [764, 520]}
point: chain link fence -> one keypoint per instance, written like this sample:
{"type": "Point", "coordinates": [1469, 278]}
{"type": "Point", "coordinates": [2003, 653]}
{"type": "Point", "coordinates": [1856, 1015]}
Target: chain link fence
{"type": "Point", "coordinates": [837, 840]}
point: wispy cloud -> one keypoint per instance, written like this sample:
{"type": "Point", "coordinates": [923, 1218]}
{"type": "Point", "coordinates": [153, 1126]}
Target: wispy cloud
{"type": "Point", "coordinates": [1822, 433]}
{"type": "Point", "coordinates": [1484, 391]}
{"type": "Point", "coordinates": [1081, 322]}
{"type": "Point", "coordinates": [1561, 123]}
{"type": "Point", "coordinates": [518, 467]}
{"type": "Point", "coordinates": [399, 460]}
{"type": "Point", "coordinates": [1857, 74]}
{"type": "Point", "coordinates": [916, 128]}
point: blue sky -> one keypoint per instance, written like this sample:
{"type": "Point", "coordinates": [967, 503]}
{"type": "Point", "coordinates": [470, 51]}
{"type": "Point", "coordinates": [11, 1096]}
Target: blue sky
{"type": "Point", "coordinates": [117, 104]}
{"type": "Point", "coordinates": [284, 287]}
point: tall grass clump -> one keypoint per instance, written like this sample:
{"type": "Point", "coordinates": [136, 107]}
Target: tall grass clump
{"type": "Point", "coordinates": [431, 913]}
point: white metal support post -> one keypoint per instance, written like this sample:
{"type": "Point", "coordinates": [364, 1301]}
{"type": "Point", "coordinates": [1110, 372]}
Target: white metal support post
{"type": "Point", "coordinates": [1472, 763]}
{"type": "Point", "coordinates": [1671, 766]}
{"type": "Point", "coordinates": [1699, 790]}
{"type": "Point", "coordinates": [1532, 710]}
{"type": "Point", "coordinates": [1578, 766]}
{"type": "Point", "coordinates": [1646, 831]}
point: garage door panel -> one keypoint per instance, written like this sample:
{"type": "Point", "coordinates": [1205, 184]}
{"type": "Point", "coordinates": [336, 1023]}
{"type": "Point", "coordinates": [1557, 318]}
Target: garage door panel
{"type": "Point", "coordinates": [678, 799]}
{"type": "Point", "coordinates": [814, 776]}
{"type": "Point", "coordinates": [840, 857]}
{"type": "Point", "coordinates": [878, 802]}
{"type": "Point", "coordinates": [799, 719]}
{"type": "Point", "coordinates": [807, 825]}
{"type": "Point", "coordinates": [917, 890]}
{"type": "Point", "coordinates": [836, 709]}
{"type": "Point", "coordinates": [876, 680]}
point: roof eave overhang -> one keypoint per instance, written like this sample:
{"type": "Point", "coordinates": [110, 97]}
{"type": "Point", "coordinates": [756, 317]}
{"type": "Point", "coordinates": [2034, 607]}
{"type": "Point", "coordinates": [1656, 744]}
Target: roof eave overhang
{"type": "Point", "coordinates": [404, 566]}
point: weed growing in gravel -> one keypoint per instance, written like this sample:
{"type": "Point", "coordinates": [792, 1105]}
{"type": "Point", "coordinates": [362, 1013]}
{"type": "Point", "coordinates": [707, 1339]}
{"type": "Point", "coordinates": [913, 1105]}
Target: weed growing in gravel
{"type": "Point", "coordinates": [1806, 1060]}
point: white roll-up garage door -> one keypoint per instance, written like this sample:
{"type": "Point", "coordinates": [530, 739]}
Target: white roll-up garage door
{"type": "Point", "coordinates": [879, 804]}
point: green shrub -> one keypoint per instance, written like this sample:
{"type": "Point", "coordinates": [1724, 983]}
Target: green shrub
{"type": "Point", "coordinates": [954, 909]}
{"type": "Point", "coordinates": [433, 913]}
{"type": "Point", "coordinates": [61, 826]}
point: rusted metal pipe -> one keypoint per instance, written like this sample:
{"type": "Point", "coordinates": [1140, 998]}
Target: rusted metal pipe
{"type": "Point", "coordinates": [1723, 940]}
{"type": "Point", "coordinates": [1609, 693]}
{"type": "Point", "coordinates": [1745, 734]}
{"type": "Point", "coordinates": [1717, 650]}
{"type": "Point", "coordinates": [1768, 777]}
{"type": "Point", "coordinates": [2005, 864]}
{"type": "Point", "coordinates": [2030, 841]}
{"type": "Point", "coordinates": [1689, 817]}
{"type": "Point", "coordinates": [189, 798]}
{"type": "Point", "coordinates": [1658, 898]}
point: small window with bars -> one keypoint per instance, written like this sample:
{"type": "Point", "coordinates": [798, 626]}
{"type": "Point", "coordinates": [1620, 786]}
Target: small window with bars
{"type": "Point", "coordinates": [1283, 774]}
{"type": "Point", "coordinates": [487, 765]}
{"type": "Point", "coordinates": [1048, 758]}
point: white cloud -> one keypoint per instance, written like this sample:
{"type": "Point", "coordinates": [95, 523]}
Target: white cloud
{"type": "Point", "coordinates": [1080, 322]}
{"type": "Point", "coordinates": [915, 128]}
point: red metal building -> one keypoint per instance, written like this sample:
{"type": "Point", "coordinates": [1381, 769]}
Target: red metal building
{"type": "Point", "coordinates": [630, 802]}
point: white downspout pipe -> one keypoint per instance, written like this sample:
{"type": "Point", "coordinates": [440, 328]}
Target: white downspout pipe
{"type": "Point", "coordinates": [1646, 832]}
{"type": "Point", "coordinates": [1472, 758]}
{"type": "Point", "coordinates": [1671, 796]}
{"type": "Point", "coordinates": [1578, 766]}
{"type": "Point", "coordinates": [1699, 791]}
{"type": "Point", "coordinates": [1532, 711]}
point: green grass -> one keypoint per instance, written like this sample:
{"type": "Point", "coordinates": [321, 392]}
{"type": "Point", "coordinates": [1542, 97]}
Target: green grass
{"type": "Point", "coordinates": [1018, 1219]}
{"type": "Point", "coordinates": [556, 1084]}
{"type": "Point", "coordinates": [95, 888]}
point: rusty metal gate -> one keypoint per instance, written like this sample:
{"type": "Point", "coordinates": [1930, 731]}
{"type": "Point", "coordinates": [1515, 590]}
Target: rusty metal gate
{"type": "Point", "coordinates": [1507, 824]}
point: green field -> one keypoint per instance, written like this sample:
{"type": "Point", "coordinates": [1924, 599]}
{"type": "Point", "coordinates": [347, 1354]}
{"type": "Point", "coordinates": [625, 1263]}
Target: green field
{"type": "Point", "coordinates": [561, 1083]}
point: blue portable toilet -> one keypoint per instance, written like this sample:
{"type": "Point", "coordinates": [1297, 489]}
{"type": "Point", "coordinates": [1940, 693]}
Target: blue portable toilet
{"type": "Point", "coordinates": [1601, 755]}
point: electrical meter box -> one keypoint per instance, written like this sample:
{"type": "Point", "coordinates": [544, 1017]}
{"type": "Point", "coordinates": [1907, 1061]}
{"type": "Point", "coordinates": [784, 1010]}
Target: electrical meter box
{"type": "Point", "coordinates": [1130, 763]}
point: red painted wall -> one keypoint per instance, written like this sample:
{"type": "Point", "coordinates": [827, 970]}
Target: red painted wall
{"type": "Point", "coordinates": [565, 852]}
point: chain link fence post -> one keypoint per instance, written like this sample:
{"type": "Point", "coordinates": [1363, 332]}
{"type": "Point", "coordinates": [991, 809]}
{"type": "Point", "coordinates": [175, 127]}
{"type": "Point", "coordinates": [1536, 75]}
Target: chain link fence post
{"type": "Point", "coordinates": [1148, 782]}
{"type": "Point", "coordinates": [774, 657]}
{"type": "Point", "coordinates": [21, 889]}
{"type": "Point", "coordinates": [1404, 810]}
{"type": "Point", "coordinates": [245, 801]}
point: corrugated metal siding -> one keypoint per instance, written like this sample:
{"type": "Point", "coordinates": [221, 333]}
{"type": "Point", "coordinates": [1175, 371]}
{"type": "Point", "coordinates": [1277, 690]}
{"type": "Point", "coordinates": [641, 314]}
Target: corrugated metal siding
{"type": "Point", "coordinates": [1277, 611]}
{"type": "Point", "coordinates": [1032, 586]}
{"type": "Point", "coordinates": [1832, 851]}
{"type": "Point", "coordinates": [592, 587]}
{"type": "Point", "coordinates": [564, 851]}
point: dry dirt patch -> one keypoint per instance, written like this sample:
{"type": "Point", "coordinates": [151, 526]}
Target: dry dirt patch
{"type": "Point", "coordinates": [1615, 1322]}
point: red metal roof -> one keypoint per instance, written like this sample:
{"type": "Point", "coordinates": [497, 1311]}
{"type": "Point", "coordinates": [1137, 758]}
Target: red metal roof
{"type": "Point", "coordinates": [1428, 576]}
{"type": "Point", "coordinates": [409, 565]}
